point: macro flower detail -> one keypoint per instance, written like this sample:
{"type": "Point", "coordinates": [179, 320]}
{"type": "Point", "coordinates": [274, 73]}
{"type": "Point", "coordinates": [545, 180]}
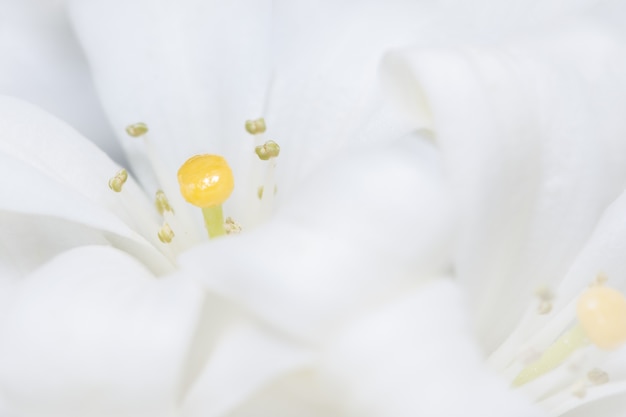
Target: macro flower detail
{"type": "Point", "coordinates": [531, 132]}
{"type": "Point", "coordinates": [379, 261]}
{"type": "Point", "coordinates": [100, 314]}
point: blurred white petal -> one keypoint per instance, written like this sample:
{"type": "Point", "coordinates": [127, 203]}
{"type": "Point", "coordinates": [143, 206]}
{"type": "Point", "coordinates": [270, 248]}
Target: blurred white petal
{"type": "Point", "coordinates": [531, 132]}
{"type": "Point", "coordinates": [42, 62]}
{"type": "Point", "coordinates": [431, 365]}
{"type": "Point", "coordinates": [92, 333]}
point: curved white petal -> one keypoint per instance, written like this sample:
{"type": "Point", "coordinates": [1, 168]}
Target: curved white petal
{"type": "Point", "coordinates": [41, 61]}
{"type": "Point", "coordinates": [531, 132]}
{"type": "Point", "coordinates": [609, 407]}
{"type": "Point", "coordinates": [47, 169]}
{"type": "Point", "coordinates": [367, 226]}
{"type": "Point", "coordinates": [295, 394]}
{"type": "Point", "coordinates": [245, 359]}
{"type": "Point", "coordinates": [325, 92]}
{"type": "Point", "coordinates": [92, 333]}
{"type": "Point", "coordinates": [413, 355]}
{"type": "Point", "coordinates": [416, 356]}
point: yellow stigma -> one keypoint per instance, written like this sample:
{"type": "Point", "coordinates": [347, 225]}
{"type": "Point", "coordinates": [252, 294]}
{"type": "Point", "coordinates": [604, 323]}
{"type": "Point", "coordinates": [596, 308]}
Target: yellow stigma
{"type": "Point", "coordinates": [206, 180]}
{"type": "Point", "coordinates": [601, 312]}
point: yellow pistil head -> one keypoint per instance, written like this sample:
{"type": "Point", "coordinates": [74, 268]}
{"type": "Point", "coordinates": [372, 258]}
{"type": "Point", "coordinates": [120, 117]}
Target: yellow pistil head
{"type": "Point", "coordinates": [206, 180]}
{"type": "Point", "coordinates": [601, 312]}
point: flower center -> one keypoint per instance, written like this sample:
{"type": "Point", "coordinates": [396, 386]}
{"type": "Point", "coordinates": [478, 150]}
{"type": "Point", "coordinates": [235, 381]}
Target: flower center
{"type": "Point", "coordinates": [573, 344]}
{"type": "Point", "coordinates": [206, 181]}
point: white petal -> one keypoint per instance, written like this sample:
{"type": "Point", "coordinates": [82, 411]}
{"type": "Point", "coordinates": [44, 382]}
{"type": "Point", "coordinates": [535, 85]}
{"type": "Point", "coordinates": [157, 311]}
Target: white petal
{"type": "Point", "coordinates": [602, 254]}
{"type": "Point", "coordinates": [48, 169]}
{"type": "Point", "coordinates": [41, 61]}
{"type": "Point", "coordinates": [363, 229]}
{"type": "Point", "coordinates": [609, 407]}
{"type": "Point", "coordinates": [411, 356]}
{"type": "Point", "coordinates": [245, 359]}
{"type": "Point", "coordinates": [297, 394]}
{"type": "Point", "coordinates": [93, 334]}
{"type": "Point", "coordinates": [27, 241]}
{"type": "Point", "coordinates": [532, 136]}
{"type": "Point", "coordinates": [415, 356]}
{"type": "Point", "coordinates": [325, 89]}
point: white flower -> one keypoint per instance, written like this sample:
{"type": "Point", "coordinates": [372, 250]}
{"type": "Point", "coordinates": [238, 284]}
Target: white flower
{"type": "Point", "coordinates": [85, 329]}
{"type": "Point", "coordinates": [342, 265]}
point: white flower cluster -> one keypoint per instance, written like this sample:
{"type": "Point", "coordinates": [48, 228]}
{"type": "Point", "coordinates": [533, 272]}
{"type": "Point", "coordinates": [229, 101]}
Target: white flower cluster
{"type": "Point", "coordinates": [428, 215]}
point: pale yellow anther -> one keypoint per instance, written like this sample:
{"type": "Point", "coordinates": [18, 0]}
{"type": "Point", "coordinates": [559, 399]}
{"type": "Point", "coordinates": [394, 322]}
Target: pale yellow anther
{"type": "Point", "coordinates": [117, 181]}
{"type": "Point", "coordinates": [269, 149]}
{"type": "Point", "coordinates": [598, 377]}
{"type": "Point", "coordinates": [231, 226]}
{"type": "Point", "coordinates": [600, 279]}
{"type": "Point", "coordinates": [545, 296]}
{"type": "Point", "coordinates": [162, 203]}
{"type": "Point", "coordinates": [601, 312]}
{"type": "Point", "coordinates": [206, 180]}
{"type": "Point", "coordinates": [166, 234]}
{"type": "Point", "coordinates": [261, 190]}
{"type": "Point", "coordinates": [255, 127]}
{"type": "Point", "coordinates": [137, 129]}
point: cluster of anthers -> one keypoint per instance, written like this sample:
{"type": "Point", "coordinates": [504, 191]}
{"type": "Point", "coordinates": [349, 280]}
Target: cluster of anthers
{"type": "Point", "coordinates": [601, 321]}
{"type": "Point", "coordinates": [565, 351]}
{"type": "Point", "coordinates": [205, 181]}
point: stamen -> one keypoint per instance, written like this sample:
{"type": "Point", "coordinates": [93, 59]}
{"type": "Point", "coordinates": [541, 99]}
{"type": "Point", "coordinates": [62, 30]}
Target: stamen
{"type": "Point", "coordinates": [116, 182]}
{"type": "Point", "coordinates": [545, 300]}
{"type": "Point", "coordinates": [137, 129]}
{"type": "Point", "coordinates": [206, 181]}
{"type": "Point", "coordinates": [231, 227]}
{"type": "Point", "coordinates": [552, 357]}
{"type": "Point", "coordinates": [162, 203]}
{"type": "Point", "coordinates": [166, 234]}
{"type": "Point", "coordinates": [255, 127]}
{"type": "Point", "coordinates": [600, 279]}
{"type": "Point", "coordinates": [268, 150]}
{"type": "Point", "coordinates": [598, 376]}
